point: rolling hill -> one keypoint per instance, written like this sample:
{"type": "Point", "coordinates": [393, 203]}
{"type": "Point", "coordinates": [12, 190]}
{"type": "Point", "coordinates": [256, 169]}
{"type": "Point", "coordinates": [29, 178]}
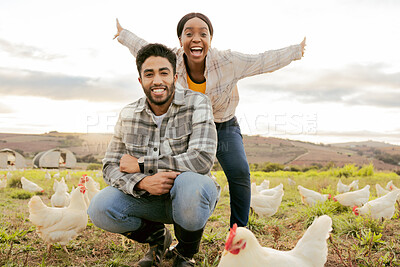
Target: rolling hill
{"type": "Point", "coordinates": [258, 149]}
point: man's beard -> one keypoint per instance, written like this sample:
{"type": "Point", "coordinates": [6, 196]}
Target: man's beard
{"type": "Point", "coordinates": [170, 93]}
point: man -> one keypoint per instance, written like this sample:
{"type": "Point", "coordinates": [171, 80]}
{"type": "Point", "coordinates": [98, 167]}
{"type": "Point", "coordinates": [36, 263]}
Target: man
{"type": "Point", "coordinates": [158, 164]}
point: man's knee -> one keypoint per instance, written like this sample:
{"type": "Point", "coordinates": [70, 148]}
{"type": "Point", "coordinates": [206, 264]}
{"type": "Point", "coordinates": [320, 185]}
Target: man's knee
{"type": "Point", "coordinates": [110, 217]}
{"type": "Point", "coordinates": [193, 200]}
{"type": "Point", "coordinates": [192, 181]}
{"type": "Point", "coordinates": [100, 213]}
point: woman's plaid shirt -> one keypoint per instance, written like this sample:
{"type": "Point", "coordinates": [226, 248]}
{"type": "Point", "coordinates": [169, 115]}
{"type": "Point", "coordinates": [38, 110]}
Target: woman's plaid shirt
{"type": "Point", "coordinates": [223, 70]}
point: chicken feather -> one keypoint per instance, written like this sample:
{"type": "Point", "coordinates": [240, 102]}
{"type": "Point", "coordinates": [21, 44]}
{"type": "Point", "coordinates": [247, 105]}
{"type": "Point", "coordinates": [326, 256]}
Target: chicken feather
{"type": "Point", "coordinates": [59, 225]}
{"type": "Point", "coordinates": [243, 249]}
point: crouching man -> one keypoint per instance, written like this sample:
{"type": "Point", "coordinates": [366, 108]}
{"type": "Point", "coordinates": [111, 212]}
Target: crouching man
{"type": "Point", "coordinates": [158, 164]}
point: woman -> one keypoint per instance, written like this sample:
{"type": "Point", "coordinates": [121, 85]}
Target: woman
{"type": "Point", "coordinates": [216, 73]}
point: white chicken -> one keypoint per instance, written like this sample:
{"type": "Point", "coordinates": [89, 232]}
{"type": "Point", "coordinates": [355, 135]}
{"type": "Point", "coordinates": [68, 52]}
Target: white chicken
{"type": "Point", "coordinates": [61, 197]}
{"type": "Point", "coordinates": [57, 175]}
{"type": "Point", "coordinates": [354, 198]}
{"type": "Point", "coordinates": [242, 248]}
{"type": "Point", "coordinates": [382, 207]}
{"type": "Point", "coordinates": [60, 183]}
{"type": "Point", "coordinates": [354, 185]}
{"type": "Point", "coordinates": [264, 185]}
{"type": "Point", "coordinates": [97, 184]}
{"type": "Point", "coordinates": [83, 181]}
{"type": "Point", "coordinates": [68, 176]}
{"type": "Point", "coordinates": [47, 175]}
{"type": "Point", "coordinates": [3, 182]}
{"type": "Point", "coordinates": [92, 187]}
{"type": "Point", "coordinates": [380, 191]}
{"type": "Point", "coordinates": [59, 225]}
{"type": "Point", "coordinates": [30, 186]}
{"type": "Point", "coordinates": [271, 191]}
{"type": "Point", "coordinates": [310, 197]}
{"type": "Point", "coordinates": [390, 186]}
{"type": "Point", "coordinates": [342, 188]}
{"type": "Point", "coordinates": [265, 205]}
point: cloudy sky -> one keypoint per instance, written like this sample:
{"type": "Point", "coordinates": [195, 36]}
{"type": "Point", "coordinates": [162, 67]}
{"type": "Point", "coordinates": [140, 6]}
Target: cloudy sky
{"type": "Point", "coordinates": [60, 68]}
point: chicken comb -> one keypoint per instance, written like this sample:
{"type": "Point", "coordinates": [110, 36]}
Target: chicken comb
{"type": "Point", "coordinates": [354, 208]}
{"type": "Point", "coordinates": [84, 178]}
{"type": "Point", "coordinates": [82, 188]}
{"type": "Point", "coordinates": [232, 234]}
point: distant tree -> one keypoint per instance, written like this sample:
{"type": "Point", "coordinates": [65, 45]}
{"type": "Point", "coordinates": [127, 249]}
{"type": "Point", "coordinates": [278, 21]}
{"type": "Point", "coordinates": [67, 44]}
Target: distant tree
{"type": "Point", "coordinates": [272, 167]}
{"type": "Point", "coordinates": [94, 166]}
{"type": "Point", "coordinates": [88, 159]}
{"type": "Point", "coordinates": [388, 158]}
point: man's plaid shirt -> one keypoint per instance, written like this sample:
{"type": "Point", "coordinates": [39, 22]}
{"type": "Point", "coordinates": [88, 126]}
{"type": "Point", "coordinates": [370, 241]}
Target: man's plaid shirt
{"type": "Point", "coordinates": [186, 140]}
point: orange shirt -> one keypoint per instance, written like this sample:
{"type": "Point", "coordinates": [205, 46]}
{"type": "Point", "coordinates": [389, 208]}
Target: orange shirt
{"type": "Point", "coordinates": [198, 87]}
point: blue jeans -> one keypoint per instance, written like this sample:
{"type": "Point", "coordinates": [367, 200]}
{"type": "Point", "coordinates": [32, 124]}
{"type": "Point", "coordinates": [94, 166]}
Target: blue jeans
{"type": "Point", "coordinates": [190, 203]}
{"type": "Point", "coordinates": [233, 160]}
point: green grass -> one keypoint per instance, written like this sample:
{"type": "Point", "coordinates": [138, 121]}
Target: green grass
{"type": "Point", "coordinates": [356, 241]}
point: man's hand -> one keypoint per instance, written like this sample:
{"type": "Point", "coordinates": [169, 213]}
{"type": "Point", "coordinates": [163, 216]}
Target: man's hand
{"type": "Point", "coordinates": [119, 29]}
{"type": "Point", "coordinates": [129, 164]}
{"type": "Point", "coordinates": [159, 183]}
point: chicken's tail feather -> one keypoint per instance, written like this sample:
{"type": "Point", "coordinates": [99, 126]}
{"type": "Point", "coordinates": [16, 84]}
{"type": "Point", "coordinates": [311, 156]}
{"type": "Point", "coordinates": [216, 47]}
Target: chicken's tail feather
{"type": "Point", "coordinates": [313, 244]}
{"type": "Point", "coordinates": [36, 204]}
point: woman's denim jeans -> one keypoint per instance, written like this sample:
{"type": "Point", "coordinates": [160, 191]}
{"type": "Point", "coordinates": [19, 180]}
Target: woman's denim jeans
{"type": "Point", "coordinates": [232, 157]}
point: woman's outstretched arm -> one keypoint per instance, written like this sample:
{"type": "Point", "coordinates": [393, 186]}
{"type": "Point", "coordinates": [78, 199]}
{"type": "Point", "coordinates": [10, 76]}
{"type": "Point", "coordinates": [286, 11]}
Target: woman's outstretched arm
{"type": "Point", "coordinates": [129, 39]}
{"type": "Point", "coordinates": [246, 65]}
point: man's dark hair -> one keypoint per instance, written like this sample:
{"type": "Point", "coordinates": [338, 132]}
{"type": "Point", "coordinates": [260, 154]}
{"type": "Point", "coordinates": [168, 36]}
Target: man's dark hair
{"type": "Point", "coordinates": [155, 50]}
{"type": "Point", "coordinates": [184, 19]}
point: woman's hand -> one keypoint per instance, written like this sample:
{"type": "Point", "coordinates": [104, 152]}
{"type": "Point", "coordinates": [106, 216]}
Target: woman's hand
{"type": "Point", "coordinates": [303, 45]}
{"type": "Point", "coordinates": [119, 29]}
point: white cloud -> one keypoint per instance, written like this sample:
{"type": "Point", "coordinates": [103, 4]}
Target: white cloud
{"type": "Point", "coordinates": [26, 51]}
{"type": "Point", "coordinates": [59, 86]}
{"type": "Point", "coordinates": [369, 85]}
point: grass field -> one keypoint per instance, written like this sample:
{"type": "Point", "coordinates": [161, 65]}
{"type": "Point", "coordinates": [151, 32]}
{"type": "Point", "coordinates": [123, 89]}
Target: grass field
{"type": "Point", "coordinates": [355, 241]}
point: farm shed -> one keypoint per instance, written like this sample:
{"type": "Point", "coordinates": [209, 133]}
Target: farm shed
{"type": "Point", "coordinates": [11, 159]}
{"type": "Point", "coordinates": [55, 158]}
